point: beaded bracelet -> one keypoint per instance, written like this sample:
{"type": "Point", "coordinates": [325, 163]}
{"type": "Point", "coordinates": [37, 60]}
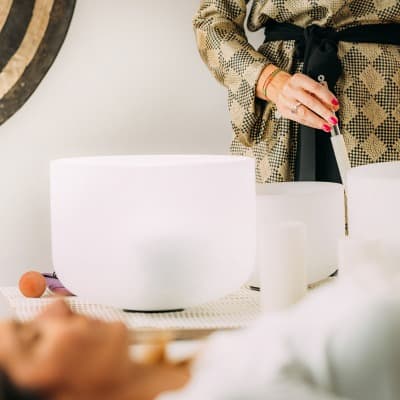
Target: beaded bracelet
{"type": "Point", "coordinates": [268, 81]}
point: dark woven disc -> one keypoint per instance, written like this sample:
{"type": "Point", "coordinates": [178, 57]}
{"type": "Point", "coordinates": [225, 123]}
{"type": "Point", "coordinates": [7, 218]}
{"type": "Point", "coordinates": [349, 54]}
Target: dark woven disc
{"type": "Point", "coordinates": [31, 34]}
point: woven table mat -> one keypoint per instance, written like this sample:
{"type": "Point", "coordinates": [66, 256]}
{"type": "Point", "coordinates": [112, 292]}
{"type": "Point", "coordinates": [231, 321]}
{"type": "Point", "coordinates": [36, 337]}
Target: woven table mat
{"type": "Point", "coordinates": [237, 310]}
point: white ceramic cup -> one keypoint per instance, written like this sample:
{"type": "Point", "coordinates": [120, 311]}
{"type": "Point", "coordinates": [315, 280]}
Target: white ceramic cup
{"type": "Point", "coordinates": [320, 206]}
{"type": "Point", "coordinates": [153, 232]}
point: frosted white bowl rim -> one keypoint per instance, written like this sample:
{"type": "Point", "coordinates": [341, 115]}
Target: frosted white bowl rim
{"type": "Point", "coordinates": [386, 171]}
{"type": "Point", "coordinates": [297, 188]}
{"type": "Point", "coordinates": [156, 160]}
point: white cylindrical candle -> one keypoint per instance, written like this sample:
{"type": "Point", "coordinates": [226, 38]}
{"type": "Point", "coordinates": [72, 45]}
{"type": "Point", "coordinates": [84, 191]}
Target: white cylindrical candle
{"type": "Point", "coordinates": [283, 275]}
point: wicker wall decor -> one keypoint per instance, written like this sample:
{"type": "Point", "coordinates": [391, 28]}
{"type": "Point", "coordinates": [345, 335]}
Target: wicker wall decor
{"type": "Point", "coordinates": [31, 34]}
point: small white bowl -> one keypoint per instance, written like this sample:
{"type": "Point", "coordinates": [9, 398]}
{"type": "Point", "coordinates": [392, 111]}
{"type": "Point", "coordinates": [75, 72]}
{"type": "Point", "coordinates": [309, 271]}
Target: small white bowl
{"type": "Point", "coordinates": [155, 232]}
{"type": "Point", "coordinates": [320, 206]}
{"type": "Point", "coordinates": [373, 193]}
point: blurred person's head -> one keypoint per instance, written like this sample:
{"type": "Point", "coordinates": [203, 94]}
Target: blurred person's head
{"type": "Point", "coordinates": [63, 352]}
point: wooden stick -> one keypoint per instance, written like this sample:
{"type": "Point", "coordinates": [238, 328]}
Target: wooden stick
{"type": "Point", "coordinates": [149, 336]}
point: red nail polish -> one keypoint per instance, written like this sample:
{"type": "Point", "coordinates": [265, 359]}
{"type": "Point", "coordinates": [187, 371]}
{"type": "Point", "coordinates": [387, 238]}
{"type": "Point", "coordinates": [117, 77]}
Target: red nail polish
{"type": "Point", "coordinates": [334, 120]}
{"type": "Point", "coordinates": [326, 128]}
{"type": "Point", "coordinates": [335, 102]}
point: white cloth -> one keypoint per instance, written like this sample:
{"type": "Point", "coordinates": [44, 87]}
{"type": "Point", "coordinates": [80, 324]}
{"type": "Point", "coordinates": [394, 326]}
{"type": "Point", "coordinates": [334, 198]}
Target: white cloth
{"type": "Point", "coordinates": [301, 354]}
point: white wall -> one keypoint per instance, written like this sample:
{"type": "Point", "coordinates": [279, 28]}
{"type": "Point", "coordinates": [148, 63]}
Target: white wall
{"type": "Point", "coordinates": [127, 80]}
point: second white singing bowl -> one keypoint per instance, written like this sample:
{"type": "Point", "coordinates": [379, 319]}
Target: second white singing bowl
{"type": "Point", "coordinates": [153, 233]}
{"type": "Point", "coordinates": [320, 206]}
{"type": "Point", "coordinates": [373, 193]}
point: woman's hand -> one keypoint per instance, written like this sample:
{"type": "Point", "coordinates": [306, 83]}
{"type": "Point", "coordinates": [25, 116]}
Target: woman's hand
{"type": "Point", "coordinates": [300, 98]}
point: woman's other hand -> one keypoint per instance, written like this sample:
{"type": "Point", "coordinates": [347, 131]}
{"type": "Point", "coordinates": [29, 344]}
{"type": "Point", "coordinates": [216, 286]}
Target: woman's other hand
{"type": "Point", "coordinates": [300, 98]}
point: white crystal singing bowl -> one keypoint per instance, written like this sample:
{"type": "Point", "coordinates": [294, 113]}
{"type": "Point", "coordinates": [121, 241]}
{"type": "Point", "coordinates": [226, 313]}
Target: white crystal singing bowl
{"type": "Point", "coordinates": [320, 205]}
{"type": "Point", "coordinates": [158, 232]}
{"type": "Point", "coordinates": [373, 193]}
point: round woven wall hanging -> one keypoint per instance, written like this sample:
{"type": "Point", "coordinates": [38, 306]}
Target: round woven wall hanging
{"type": "Point", "coordinates": [31, 34]}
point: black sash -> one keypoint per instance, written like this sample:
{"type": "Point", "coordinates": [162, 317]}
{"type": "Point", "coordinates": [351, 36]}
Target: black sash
{"type": "Point", "coordinates": [317, 47]}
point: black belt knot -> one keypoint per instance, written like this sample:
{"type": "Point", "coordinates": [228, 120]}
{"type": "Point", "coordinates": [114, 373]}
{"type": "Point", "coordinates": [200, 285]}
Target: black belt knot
{"type": "Point", "coordinates": [315, 36]}
{"type": "Point", "coordinates": [317, 47]}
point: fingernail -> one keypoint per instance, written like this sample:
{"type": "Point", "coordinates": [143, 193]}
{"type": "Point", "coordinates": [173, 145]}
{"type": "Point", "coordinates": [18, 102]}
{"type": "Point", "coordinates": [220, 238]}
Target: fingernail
{"type": "Point", "coordinates": [335, 102]}
{"type": "Point", "coordinates": [326, 128]}
{"type": "Point", "coordinates": [334, 120]}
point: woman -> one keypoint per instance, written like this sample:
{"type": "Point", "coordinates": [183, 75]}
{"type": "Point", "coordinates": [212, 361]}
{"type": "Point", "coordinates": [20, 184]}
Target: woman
{"type": "Point", "coordinates": [349, 353]}
{"type": "Point", "coordinates": [352, 45]}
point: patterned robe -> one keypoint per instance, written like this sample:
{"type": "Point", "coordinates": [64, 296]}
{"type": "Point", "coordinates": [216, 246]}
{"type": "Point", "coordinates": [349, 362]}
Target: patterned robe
{"type": "Point", "coordinates": [368, 89]}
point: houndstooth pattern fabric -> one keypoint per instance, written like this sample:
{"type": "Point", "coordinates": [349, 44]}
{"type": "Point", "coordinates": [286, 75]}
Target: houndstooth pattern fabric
{"type": "Point", "coordinates": [368, 90]}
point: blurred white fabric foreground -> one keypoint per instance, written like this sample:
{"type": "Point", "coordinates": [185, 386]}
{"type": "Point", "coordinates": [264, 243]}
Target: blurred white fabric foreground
{"type": "Point", "coordinates": [339, 343]}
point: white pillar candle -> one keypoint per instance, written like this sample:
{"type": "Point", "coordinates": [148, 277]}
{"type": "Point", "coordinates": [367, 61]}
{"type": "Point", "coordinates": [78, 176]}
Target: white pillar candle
{"type": "Point", "coordinates": [283, 274]}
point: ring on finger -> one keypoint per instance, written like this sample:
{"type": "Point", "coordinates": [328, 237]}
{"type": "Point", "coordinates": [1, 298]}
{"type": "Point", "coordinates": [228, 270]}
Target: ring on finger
{"type": "Point", "coordinates": [295, 108]}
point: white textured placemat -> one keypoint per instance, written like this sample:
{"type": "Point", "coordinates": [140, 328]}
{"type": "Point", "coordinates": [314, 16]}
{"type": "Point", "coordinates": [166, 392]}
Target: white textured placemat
{"type": "Point", "coordinates": [234, 311]}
